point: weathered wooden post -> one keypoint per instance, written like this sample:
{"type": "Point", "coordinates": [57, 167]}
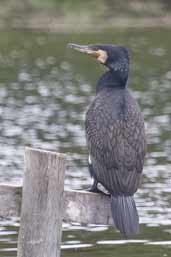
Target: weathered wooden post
{"type": "Point", "coordinates": [42, 204]}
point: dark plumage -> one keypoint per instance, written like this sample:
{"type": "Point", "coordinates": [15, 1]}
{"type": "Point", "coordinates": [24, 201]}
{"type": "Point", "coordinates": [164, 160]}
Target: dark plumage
{"type": "Point", "coordinates": [116, 137]}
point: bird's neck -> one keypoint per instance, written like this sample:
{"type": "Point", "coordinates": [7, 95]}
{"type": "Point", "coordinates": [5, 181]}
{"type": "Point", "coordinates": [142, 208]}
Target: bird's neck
{"type": "Point", "coordinates": [110, 79]}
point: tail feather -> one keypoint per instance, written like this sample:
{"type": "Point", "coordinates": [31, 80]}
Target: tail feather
{"type": "Point", "coordinates": [125, 215]}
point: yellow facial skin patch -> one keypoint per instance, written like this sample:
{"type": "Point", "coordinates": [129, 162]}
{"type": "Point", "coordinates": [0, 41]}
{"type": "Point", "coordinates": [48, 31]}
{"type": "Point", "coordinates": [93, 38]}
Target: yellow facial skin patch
{"type": "Point", "coordinates": [102, 56]}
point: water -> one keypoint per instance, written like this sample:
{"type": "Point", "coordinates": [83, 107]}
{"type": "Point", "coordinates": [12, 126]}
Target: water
{"type": "Point", "coordinates": [44, 92]}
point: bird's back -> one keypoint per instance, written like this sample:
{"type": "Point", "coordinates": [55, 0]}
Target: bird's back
{"type": "Point", "coordinates": [116, 140]}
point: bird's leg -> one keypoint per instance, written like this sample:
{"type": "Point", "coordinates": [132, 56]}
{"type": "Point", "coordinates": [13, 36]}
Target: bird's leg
{"type": "Point", "coordinates": [94, 188]}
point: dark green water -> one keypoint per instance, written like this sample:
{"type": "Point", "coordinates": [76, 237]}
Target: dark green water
{"type": "Point", "coordinates": [44, 92]}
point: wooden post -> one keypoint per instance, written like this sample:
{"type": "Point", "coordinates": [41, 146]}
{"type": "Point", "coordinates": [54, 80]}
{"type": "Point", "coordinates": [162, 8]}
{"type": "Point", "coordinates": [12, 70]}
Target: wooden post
{"type": "Point", "coordinates": [10, 200]}
{"type": "Point", "coordinates": [79, 206]}
{"type": "Point", "coordinates": [42, 204]}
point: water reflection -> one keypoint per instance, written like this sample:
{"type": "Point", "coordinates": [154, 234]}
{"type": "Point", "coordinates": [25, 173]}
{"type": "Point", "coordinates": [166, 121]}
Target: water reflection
{"type": "Point", "coordinates": [44, 93]}
{"type": "Point", "coordinates": [97, 241]}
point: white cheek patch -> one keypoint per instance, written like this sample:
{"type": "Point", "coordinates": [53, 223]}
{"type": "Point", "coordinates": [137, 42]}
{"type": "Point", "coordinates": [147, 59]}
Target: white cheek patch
{"type": "Point", "coordinates": [103, 56]}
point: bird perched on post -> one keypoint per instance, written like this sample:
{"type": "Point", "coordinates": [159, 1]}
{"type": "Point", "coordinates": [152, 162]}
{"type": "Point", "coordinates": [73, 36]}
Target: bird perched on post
{"type": "Point", "coordinates": [115, 135]}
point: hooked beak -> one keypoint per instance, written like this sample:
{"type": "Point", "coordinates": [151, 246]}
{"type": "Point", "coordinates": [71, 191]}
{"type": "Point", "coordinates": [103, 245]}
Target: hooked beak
{"type": "Point", "coordinates": [87, 49]}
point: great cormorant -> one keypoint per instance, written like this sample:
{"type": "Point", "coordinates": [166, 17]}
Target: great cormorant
{"type": "Point", "coordinates": [115, 135]}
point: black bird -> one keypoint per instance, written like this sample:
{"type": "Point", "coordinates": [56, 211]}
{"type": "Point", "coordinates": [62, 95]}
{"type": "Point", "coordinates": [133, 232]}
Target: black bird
{"type": "Point", "coordinates": [115, 135]}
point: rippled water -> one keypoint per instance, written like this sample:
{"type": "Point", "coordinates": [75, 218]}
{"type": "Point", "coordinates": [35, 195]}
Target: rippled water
{"type": "Point", "coordinates": [44, 92]}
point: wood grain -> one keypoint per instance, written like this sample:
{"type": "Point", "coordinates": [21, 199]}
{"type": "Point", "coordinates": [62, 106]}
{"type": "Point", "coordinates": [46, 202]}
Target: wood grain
{"type": "Point", "coordinates": [42, 204]}
{"type": "Point", "coordinates": [79, 206]}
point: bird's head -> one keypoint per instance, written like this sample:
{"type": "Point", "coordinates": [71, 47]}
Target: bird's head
{"type": "Point", "coordinates": [115, 57]}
